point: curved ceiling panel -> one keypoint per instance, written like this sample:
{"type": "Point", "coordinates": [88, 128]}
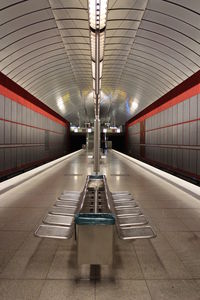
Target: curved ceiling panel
{"type": "Point", "coordinates": [150, 47]}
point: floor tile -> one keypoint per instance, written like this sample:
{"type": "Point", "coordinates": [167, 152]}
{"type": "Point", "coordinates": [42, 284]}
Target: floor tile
{"type": "Point", "coordinates": [67, 290]}
{"type": "Point", "coordinates": [170, 224]}
{"type": "Point", "coordinates": [150, 262]}
{"type": "Point", "coordinates": [173, 289]}
{"type": "Point", "coordinates": [187, 247]}
{"type": "Point", "coordinates": [10, 240]}
{"type": "Point", "coordinates": [192, 223]}
{"type": "Point", "coordinates": [126, 265]}
{"type": "Point", "coordinates": [20, 289]}
{"type": "Point", "coordinates": [64, 265]}
{"type": "Point", "coordinates": [5, 257]}
{"type": "Point", "coordinates": [169, 262]}
{"type": "Point", "coordinates": [122, 289]}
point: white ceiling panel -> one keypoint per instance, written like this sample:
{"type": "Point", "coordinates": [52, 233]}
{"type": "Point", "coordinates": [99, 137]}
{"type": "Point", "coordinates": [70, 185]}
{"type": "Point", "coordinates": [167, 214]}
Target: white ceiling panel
{"type": "Point", "coordinates": [150, 47]}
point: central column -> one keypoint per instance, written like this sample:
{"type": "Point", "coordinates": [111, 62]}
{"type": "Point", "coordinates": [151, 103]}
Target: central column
{"type": "Point", "coordinates": [96, 144]}
{"type": "Point", "coordinates": [97, 104]}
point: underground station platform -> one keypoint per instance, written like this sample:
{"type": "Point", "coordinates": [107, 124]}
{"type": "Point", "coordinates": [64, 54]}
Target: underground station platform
{"type": "Point", "coordinates": [69, 235]}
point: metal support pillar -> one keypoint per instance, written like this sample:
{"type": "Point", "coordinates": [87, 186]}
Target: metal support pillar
{"type": "Point", "coordinates": [96, 144]}
{"type": "Point", "coordinates": [97, 104]}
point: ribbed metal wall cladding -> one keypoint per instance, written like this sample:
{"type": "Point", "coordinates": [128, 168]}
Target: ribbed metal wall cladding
{"type": "Point", "coordinates": [28, 137]}
{"type": "Point", "coordinates": [172, 137]}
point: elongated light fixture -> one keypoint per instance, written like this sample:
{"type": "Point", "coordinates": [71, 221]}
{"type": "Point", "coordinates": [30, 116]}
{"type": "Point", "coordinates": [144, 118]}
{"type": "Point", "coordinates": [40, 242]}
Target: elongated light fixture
{"type": "Point", "coordinates": [97, 21]}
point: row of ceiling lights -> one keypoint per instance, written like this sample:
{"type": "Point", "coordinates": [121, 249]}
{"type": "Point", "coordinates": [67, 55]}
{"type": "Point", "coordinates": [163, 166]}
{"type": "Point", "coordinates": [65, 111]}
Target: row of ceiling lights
{"type": "Point", "coordinates": [97, 21]}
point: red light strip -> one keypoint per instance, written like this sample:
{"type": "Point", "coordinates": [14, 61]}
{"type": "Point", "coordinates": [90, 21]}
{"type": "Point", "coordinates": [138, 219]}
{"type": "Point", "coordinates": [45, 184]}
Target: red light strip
{"type": "Point", "coordinates": [180, 98]}
{"type": "Point", "coordinates": [17, 98]}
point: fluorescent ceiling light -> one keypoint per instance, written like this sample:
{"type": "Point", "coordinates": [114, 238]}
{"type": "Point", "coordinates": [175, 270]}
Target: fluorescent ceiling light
{"type": "Point", "coordinates": [97, 13]}
{"type": "Point", "coordinates": [102, 42]}
{"type": "Point", "coordinates": [134, 105]}
{"type": "Point", "coordinates": [100, 69]}
{"type": "Point", "coordinates": [60, 104]}
{"type": "Point", "coordinates": [92, 38]}
{"type": "Point", "coordinates": [93, 69]}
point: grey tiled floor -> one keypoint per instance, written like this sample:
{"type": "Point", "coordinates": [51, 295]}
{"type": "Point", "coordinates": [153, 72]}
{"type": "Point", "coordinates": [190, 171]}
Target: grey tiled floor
{"type": "Point", "coordinates": [167, 267]}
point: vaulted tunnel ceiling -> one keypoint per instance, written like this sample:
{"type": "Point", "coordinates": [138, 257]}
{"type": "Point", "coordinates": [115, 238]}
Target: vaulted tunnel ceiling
{"type": "Point", "coordinates": [150, 47]}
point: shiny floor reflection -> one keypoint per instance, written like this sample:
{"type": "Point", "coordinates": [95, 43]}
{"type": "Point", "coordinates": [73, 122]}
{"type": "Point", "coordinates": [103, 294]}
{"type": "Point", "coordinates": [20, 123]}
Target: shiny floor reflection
{"type": "Point", "coordinates": [167, 267]}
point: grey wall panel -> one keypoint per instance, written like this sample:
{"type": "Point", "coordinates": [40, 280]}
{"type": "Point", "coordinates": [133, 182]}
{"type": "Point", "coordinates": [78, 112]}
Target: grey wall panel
{"type": "Point", "coordinates": [2, 159]}
{"type": "Point", "coordinates": [170, 116]}
{"type": "Point", "coordinates": [165, 136]}
{"type": "Point", "coordinates": [186, 110]}
{"type": "Point", "coordinates": [19, 134]}
{"type": "Point", "coordinates": [2, 132]}
{"type": "Point", "coordinates": [28, 116]}
{"type": "Point", "coordinates": [2, 106]}
{"type": "Point", "coordinates": [165, 117]}
{"type": "Point", "coordinates": [174, 158]}
{"type": "Point", "coordinates": [24, 138]}
{"type": "Point", "coordinates": [186, 160]}
{"type": "Point", "coordinates": [193, 108]}
{"type": "Point", "coordinates": [14, 111]}
{"type": "Point", "coordinates": [28, 154]}
{"type": "Point", "coordinates": [13, 155]}
{"type": "Point", "coordinates": [198, 162]}
{"type": "Point", "coordinates": [19, 157]}
{"type": "Point", "coordinates": [179, 159]}
{"type": "Point", "coordinates": [158, 137]}
{"type": "Point", "coordinates": [180, 112]}
{"type": "Point", "coordinates": [186, 134]}
{"type": "Point", "coordinates": [193, 133]}
{"type": "Point", "coordinates": [155, 137]}
{"type": "Point", "coordinates": [170, 135]}
{"type": "Point", "coordinates": [180, 134]}
{"type": "Point", "coordinates": [32, 135]}
{"type": "Point", "coordinates": [169, 157]}
{"type": "Point", "coordinates": [7, 108]}
{"type": "Point", "coordinates": [23, 156]}
{"type": "Point", "coordinates": [13, 133]}
{"type": "Point", "coordinates": [28, 135]}
{"type": "Point", "coordinates": [24, 117]}
{"type": "Point", "coordinates": [183, 136]}
{"type": "Point", "coordinates": [7, 133]}
{"type": "Point", "coordinates": [32, 117]}
{"type": "Point", "coordinates": [175, 114]}
{"type": "Point", "coordinates": [7, 161]}
{"type": "Point", "coordinates": [19, 113]}
{"type": "Point", "coordinates": [162, 154]}
{"type": "Point", "coordinates": [161, 136]}
{"type": "Point", "coordinates": [162, 121]}
{"type": "Point", "coordinates": [198, 103]}
{"type": "Point", "coordinates": [198, 133]}
{"type": "Point", "coordinates": [165, 156]}
{"type": "Point", "coordinates": [37, 136]}
{"type": "Point", "coordinates": [193, 161]}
